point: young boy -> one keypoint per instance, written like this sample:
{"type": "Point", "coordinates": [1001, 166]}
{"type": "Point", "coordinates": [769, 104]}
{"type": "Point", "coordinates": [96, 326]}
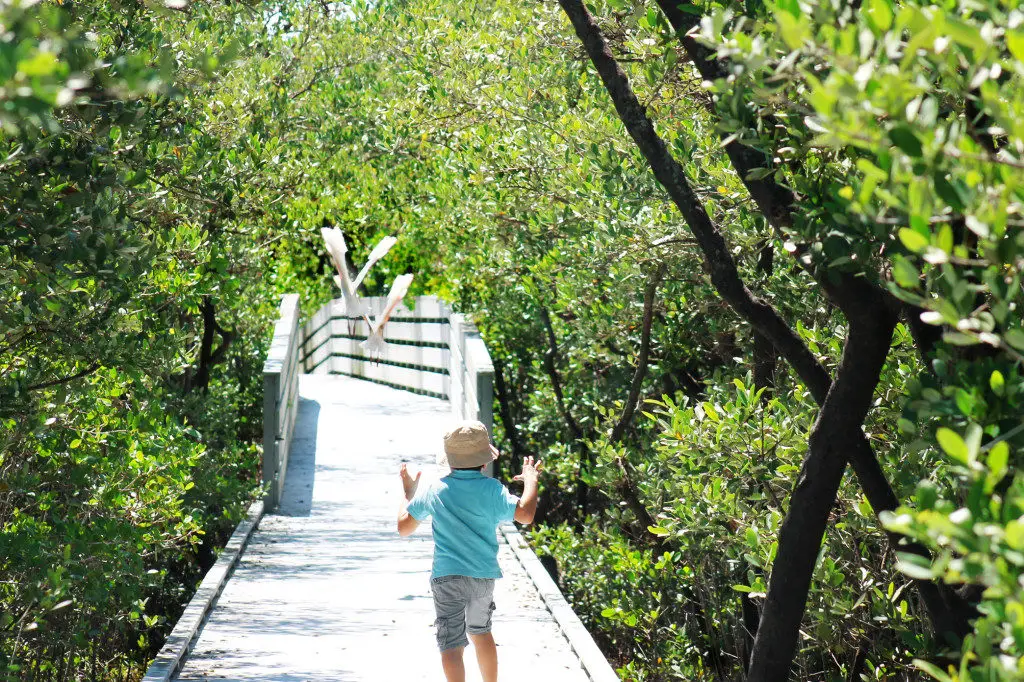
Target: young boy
{"type": "Point", "coordinates": [467, 508]}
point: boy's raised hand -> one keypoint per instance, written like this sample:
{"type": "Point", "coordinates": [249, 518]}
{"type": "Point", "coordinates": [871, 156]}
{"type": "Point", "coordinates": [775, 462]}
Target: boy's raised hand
{"type": "Point", "coordinates": [530, 470]}
{"type": "Point", "coordinates": [409, 484]}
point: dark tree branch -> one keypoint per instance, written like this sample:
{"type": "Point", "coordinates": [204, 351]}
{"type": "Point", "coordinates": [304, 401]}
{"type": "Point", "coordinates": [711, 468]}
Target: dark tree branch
{"type": "Point", "coordinates": [766, 358]}
{"type": "Point", "coordinates": [64, 380]}
{"type": "Point", "coordinates": [208, 357]}
{"type": "Point", "coordinates": [626, 486]}
{"type": "Point", "coordinates": [619, 430]}
{"type": "Point", "coordinates": [550, 359]}
{"type": "Point", "coordinates": [508, 419]}
{"type": "Point", "coordinates": [576, 433]}
{"type": "Point", "coordinates": [724, 274]}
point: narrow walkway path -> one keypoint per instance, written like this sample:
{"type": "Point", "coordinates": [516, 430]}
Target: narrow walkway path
{"type": "Point", "coordinates": [327, 591]}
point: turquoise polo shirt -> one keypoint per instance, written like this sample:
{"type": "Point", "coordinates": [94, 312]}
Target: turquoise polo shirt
{"type": "Point", "coordinates": [467, 508]}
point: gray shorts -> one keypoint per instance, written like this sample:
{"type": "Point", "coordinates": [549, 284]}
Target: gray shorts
{"type": "Point", "coordinates": [462, 603]}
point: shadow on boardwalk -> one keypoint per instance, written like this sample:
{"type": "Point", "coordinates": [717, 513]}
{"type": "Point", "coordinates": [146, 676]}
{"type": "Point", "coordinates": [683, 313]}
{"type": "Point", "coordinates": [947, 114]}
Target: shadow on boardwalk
{"type": "Point", "coordinates": [297, 496]}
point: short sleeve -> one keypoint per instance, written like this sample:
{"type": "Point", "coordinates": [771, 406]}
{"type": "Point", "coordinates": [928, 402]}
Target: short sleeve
{"type": "Point", "coordinates": [505, 504]}
{"type": "Point", "coordinates": [419, 506]}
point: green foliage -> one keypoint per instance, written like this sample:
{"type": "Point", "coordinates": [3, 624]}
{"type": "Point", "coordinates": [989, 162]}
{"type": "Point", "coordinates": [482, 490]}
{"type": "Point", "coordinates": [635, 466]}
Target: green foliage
{"type": "Point", "coordinates": [138, 176]}
{"type": "Point", "coordinates": [719, 469]}
{"type": "Point", "coordinates": [912, 114]}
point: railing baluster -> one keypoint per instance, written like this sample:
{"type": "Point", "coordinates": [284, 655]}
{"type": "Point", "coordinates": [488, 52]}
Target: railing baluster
{"type": "Point", "coordinates": [280, 397]}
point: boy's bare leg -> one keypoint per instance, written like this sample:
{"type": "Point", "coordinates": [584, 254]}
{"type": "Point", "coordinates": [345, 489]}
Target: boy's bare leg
{"type": "Point", "coordinates": [454, 668]}
{"type": "Point", "coordinates": [486, 656]}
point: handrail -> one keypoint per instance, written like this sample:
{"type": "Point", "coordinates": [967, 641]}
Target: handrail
{"type": "Point", "coordinates": [431, 350]}
{"type": "Point", "coordinates": [472, 369]}
{"type": "Point", "coordinates": [415, 359]}
{"type": "Point", "coordinates": [280, 398]}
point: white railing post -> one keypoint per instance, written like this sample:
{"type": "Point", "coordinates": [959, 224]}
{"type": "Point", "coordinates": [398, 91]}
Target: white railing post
{"type": "Point", "coordinates": [280, 397]}
{"type": "Point", "coordinates": [471, 375]}
{"type": "Point", "coordinates": [456, 367]}
{"type": "Point", "coordinates": [271, 388]}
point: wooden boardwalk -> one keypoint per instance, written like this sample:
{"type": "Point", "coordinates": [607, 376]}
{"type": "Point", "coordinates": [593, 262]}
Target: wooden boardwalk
{"type": "Point", "coordinates": [327, 591]}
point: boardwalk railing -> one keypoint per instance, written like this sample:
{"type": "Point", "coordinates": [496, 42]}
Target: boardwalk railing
{"type": "Point", "coordinates": [280, 397]}
{"type": "Point", "coordinates": [430, 350]}
{"type": "Point", "coordinates": [471, 386]}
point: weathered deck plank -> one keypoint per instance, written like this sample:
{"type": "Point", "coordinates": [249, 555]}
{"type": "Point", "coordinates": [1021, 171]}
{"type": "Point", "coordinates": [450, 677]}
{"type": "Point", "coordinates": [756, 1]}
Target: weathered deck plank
{"type": "Point", "coordinates": [328, 591]}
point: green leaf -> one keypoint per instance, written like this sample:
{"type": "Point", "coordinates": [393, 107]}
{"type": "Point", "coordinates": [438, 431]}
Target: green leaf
{"type": "Point", "coordinates": [965, 34]}
{"type": "Point", "coordinates": [952, 444]}
{"type": "Point", "coordinates": [904, 137]}
{"type": "Point", "coordinates": [960, 339]}
{"type": "Point", "coordinates": [916, 567]}
{"type": "Point", "coordinates": [996, 382]}
{"type": "Point", "coordinates": [792, 7]}
{"type": "Point", "coordinates": [658, 530]}
{"type": "Point", "coordinates": [38, 65]}
{"type": "Point", "coordinates": [794, 29]}
{"type": "Point", "coordinates": [927, 494]}
{"type": "Point", "coordinates": [947, 191]}
{"type": "Point", "coordinates": [1015, 534]}
{"type": "Point", "coordinates": [1015, 337]}
{"type": "Point", "coordinates": [944, 239]}
{"type": "Point", "coordinates": [914, 241]}
{"type": "Point", "coordinates": [998, 458]}
{"type": "Point", "coordinates": [905, 274]}
{"type": "Point", "coordinates": [1015, 43]}
{"type": "Point", "coordinates": [932, 669]}
{"type": "Point", "coordinates": [965, 402]}
{"type": "Point", "coordinates": [880, 14]}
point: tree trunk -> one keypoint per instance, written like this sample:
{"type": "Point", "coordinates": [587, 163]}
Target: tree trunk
{"type": "Point", "coordinates": [508, 419]}
{"type": "Point", "coordinates": [208, 357]}
{"type": "Point", "coordinates": [766, 358]}
{"type": "Point", "coordinates": [949, 613]}
{"type": "Point", "coordinates": [643, 357]}
{"type": "Point", "coordinates": [575, 432]}
{"type": "Point", "coordinates": [799, 542]}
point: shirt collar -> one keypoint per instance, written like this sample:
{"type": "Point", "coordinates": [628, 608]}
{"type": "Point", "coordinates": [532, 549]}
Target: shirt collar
{"type": "Point", "coordinates": [465, 474]}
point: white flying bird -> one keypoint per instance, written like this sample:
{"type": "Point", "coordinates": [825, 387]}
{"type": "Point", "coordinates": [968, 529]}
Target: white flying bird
{"type": "Point", "coordinates": [336, 247]}
{"type": "Point", "coordinates": [374, 344]}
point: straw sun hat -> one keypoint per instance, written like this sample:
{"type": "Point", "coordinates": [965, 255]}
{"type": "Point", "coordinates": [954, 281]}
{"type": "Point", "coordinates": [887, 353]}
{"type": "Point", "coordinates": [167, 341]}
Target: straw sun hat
{"type": "Point", "coordinates": [467, 445]}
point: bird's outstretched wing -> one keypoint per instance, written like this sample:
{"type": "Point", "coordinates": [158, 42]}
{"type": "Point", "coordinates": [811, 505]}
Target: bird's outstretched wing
{"type": "Point", "coordinates": [374, 344]}
{"type": "Point", "coordinates": [379, 251]}
{"type": "Point", "coordinates": [335, 241]}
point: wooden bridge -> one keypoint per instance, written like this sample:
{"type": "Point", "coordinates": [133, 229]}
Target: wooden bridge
{"type": "Point", "coordinates": [320, 587]}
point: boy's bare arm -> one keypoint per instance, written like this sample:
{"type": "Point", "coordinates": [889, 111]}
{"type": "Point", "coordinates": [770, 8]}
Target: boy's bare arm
{"type": "Point", "coordinates": [526, 509]}
{"type": "Point", "coordinates": [406, 522]}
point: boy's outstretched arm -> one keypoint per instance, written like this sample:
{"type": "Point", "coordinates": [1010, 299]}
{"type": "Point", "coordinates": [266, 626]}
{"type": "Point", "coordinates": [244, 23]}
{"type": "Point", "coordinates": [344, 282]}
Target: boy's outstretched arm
{"type": "Point", "coordinates": [406, 522]}
{"type": "Point", "coordinates": [527, 507]}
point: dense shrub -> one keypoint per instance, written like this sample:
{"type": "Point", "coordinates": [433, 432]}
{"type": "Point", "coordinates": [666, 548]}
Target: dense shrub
{"type": "Point", "coordinates": [136, 307]}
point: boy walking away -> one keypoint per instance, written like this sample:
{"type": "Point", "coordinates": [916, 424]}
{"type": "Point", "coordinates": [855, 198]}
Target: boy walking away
{"type": "Point", "coordinates": [467, 508]}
